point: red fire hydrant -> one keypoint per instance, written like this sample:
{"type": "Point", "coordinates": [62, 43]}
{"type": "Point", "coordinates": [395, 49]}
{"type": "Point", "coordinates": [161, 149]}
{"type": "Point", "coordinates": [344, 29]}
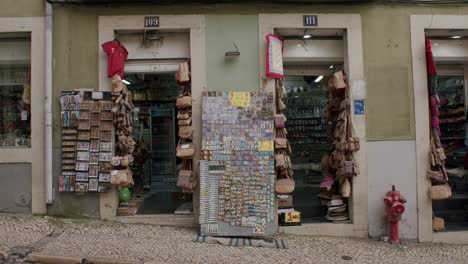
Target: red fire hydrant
{"type": "Point", "coordinates": [395, 208]}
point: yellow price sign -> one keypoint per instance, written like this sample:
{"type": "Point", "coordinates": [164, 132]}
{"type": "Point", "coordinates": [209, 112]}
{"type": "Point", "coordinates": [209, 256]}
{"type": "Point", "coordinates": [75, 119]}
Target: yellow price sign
{"type": "Point", "coordinates": [239, 99]}
{"type": "Point", "coordinates": [293, 217]}
{"type": "Point", "coordinates": [265, 145]}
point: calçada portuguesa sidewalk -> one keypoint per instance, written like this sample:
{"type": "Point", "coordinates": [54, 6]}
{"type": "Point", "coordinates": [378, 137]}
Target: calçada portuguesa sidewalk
{"type": "Point", "coordinates": [134, 243]}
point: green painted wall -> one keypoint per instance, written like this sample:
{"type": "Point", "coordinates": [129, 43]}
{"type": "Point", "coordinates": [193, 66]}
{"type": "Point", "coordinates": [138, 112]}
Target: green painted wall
{"type": "Point", "coordinates": [232, 73]}
{"type": "Point", "coordinates": [386, 43]}
{"type": "Point", "coordinates": [22, 8]}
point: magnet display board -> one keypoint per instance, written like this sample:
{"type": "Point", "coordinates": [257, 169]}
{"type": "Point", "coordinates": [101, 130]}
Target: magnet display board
{"type": "Point", "coordinates": [237, 194]}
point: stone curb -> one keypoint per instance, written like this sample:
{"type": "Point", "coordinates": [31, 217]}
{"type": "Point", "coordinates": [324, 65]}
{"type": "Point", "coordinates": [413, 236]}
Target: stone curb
{"type": "Point", "coordinates": [50, 259]}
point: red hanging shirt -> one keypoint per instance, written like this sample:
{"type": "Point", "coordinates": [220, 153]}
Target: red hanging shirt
{"type": "Point", "coordinates": [117, 54]}
{"type": "Point", "coordinates": [431, 67]}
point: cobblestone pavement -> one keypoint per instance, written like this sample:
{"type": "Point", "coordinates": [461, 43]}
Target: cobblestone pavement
{"type": "Point", "coordinates": [156, 244]}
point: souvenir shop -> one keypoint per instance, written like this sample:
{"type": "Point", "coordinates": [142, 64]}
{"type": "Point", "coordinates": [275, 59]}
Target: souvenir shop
{"type": "Point", "coordinates": [319, 128]}
{"type": "Point", "coordinates": [142, 120]}
{"type": "Point", "coordinates": [440, 113]}
{"type": "Point", "coordinates": [448, 138]}
{"type": "Point", "coordinates": [292, 143]}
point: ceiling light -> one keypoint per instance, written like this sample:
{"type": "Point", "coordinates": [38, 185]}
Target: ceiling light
{"type": "Point", "coordinates": [456, 37]}
{"type": "Point", "coordinates": [307, 36]}
{"type": "Point", "coordinates": [319, 79]}
{"type": "Point", "coordinates": [331, 66]}
{"type": "Point", "coordinates": [126, 82]}
{"type": "Point", "coordinates": [298, 45]}
{"type": "Point", "coordinates": [436, 44]}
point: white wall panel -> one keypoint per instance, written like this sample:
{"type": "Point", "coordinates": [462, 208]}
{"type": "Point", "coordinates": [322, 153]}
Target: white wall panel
{"type": "Point", "coordinates": [392, 162]}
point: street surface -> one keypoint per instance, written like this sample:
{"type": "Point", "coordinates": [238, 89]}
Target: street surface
{"type": "Point", "coordinates": [156, 244]}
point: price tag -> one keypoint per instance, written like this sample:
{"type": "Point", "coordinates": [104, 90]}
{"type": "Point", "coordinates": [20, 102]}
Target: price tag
{"type": "Point", "coordinates": [185, 146]}
{"type": "Point", "coordinates": [239, 99]}
{"type": "Point", "coordinates": [293, 217]}
{"type": "Point", "coordinates": [265, 145]}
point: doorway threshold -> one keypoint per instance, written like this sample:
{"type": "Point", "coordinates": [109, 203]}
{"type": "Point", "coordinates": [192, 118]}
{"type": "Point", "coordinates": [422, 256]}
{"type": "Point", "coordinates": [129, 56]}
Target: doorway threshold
{"type": "Point", "coordinates": [159, 219]}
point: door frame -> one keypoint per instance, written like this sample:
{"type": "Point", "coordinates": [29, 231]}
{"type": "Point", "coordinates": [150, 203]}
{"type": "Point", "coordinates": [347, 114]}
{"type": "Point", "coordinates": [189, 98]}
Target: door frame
{"type": "Point", "coordinates": [419, 23]}
{"type": "Point", "coordinates": [196, 24]}
{"type": "Point", "coordinates": [354, 66]}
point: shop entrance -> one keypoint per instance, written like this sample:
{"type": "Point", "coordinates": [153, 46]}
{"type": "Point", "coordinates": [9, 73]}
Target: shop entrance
{"type": "Point", "coordinates": [155, 130]}
{"type": "Point", "coordinates": [452, 94]}
{"type": "Point", "coordinates": [154, 58]}
{"type": "Point", "coordinates": [310, 58]}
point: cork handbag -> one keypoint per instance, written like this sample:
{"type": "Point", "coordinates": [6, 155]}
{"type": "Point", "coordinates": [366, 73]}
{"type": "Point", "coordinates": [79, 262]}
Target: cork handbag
{"type": "Point", "coordinates": [338, 83]}
{"type": "Point", "coordinates": [185, 150]}
{"type": "Point", "coordinates": [282, 161]}
{"type": "Point", "coordinates": [183, 74]}
{"type": "Point", "coordinates": [185, 122]}
{"type": "Point", "coordinates": [280, 120]}
{"type": "Point", "coordinates": [185, 179]}
{"type": "Point", "coordinates": [183, 114]}
{"type": "Point", "coordinates": [184, 100]}
{"type": "Point", "coordinates": [122, 177]}
{"type": "Point", "coordinates": [185, 132]}
{"type": "Point", "coordinates": [280, 105]}
{"type": "Point", "coordinates": [440, 192]}
{"type": "Point", "coordinates": [285, 185]}
{"type": "Point", "coordinates": [280, 90]}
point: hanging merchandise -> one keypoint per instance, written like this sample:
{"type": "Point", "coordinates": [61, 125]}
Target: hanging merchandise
{"type": "Point", "coordinates": [438, 173]}
{"type": "Point", "coordinates": [183, 74]}
{"type": "Point", "coordinates": [122, 117]}
{"type": "Point", "coordinates": [339, 166]}
{"type": "Point", "coordinates": [285, 184]}
{"type": "Point", "coordinates": [185, 178]}
{"type": "Point", "coordinates": [185, 149]}
{"type": "Point", "coordinates": [274, 57]}
{"type": "Point", "coordinates": [117, 54]}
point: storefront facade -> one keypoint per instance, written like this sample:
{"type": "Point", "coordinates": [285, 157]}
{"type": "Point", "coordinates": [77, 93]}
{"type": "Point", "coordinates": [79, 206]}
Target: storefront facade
{"type": "Point", "coordinates": [380, 61]}
{"type": "Point", "coordinates": [247, 31]}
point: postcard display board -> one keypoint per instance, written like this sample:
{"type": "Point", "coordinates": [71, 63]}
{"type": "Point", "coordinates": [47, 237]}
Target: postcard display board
{"type": "Point", "coordinates": [237, 194]}
{"type": "Point", "coordinates": [87, 149]}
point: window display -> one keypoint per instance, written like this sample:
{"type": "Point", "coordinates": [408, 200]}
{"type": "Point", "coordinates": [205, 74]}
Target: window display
{"type": "Point", "coordinates": [15, 90]}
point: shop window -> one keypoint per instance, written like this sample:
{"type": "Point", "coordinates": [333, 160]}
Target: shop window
{"type": "Point", "coordinates": [15, 90]}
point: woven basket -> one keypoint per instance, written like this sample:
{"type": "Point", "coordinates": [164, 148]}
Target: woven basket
{"type": "Point", "coordinates": [440, 192]}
